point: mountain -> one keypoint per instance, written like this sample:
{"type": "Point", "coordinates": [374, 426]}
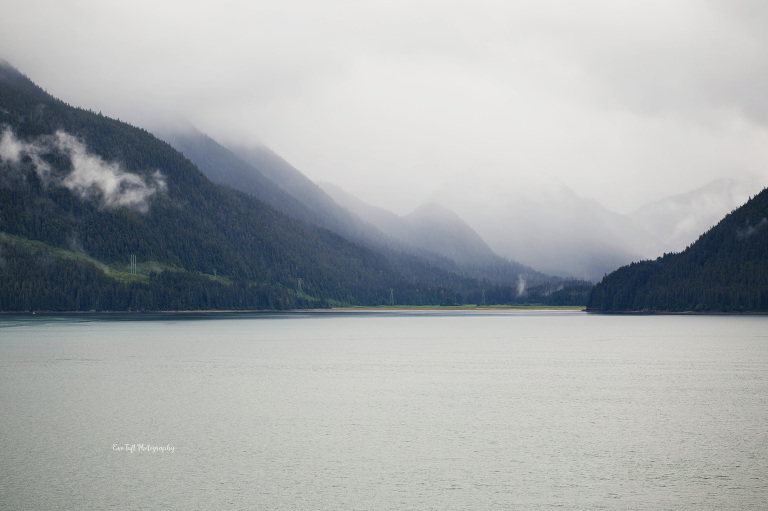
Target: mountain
{"type": "Point", "coordinates": [430, 228]}
{"type": "Point", "coordinates": [294, 182]}
{"type": "Point", "coordinates": [440, 230]}
{"type": "Point", "coordinates": [222, 166]}
{"type": "Point", "coordinates": [81, 195]}
{"type": "Point", "coordinates": [433, 229]}
{"type": "Point", "coordinates": [432, 233]}
{"type": "Point", "coordinates": [677, 221]}
{"type": "Point", "coordinates": [542, 223]}
{"type": "Point", "coordinates": [725, 270]}
{"type": "Point", "coordinates": [264, 175]}
{"type": "Point", "coordinates": [96, 214]}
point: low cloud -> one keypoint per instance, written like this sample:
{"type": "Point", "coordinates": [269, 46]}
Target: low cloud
{"type": "Point", "coordinates": [90, 177]}
{"type": "Point", "coordinates": [10, 148]}
{"type": "Point", "coordinates": [749, 230]}
{"type": "Point", "coordinates": [520, 286]}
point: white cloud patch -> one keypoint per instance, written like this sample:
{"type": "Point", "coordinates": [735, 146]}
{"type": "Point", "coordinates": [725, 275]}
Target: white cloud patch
{"type": "Point", "coordinates": [10, 147]}
{"type": "Point", "coordinates": [90, 177]}
{"type": "Point", "coordinates": [521, 283]}
{"type": "Point", "coordinates": [749, 230]}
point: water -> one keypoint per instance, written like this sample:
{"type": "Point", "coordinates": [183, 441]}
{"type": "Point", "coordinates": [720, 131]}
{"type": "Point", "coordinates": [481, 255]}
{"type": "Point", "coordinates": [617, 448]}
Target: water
{"type": "Point", "coordinates": [380, 411]}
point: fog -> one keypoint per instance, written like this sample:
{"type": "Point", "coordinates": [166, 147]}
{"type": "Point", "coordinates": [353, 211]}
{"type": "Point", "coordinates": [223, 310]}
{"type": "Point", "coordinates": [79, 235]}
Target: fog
{"type": "Point", "coordinates": [89, 177]}
{"type": "Point", "coordinates": [621, 103]}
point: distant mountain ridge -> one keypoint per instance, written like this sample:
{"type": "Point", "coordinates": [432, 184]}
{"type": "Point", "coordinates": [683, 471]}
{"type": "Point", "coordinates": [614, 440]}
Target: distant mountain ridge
{"type": "Point", "coordinates": [442, 231]}
{"type": "Point", "coordinates": [540, 222]}
{"type": "Point", "coordinates": [430, 227]}
{"type": "Point", "coordinates": [432, 233]}
{"type": "Point", "coordinates": [433, 229]}
{"type": "Point", "coordinates": [462, 249]}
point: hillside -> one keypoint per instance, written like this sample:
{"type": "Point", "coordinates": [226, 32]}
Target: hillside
{"type": "Point", "coordinates": [269, 178]}
{"type": "Point", "coordinates": [77, 181]}
{"type": "Point", "coordinates": [725, 270]}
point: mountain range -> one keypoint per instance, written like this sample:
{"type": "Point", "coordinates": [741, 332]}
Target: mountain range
{"type": "Point", "coordinates": [538, 221]}
{"type": "Point", "coordinates": [96, 214]}
{"type": "Point", "coordinates": [431, 233]}
{"type": "Point", "coordinates": [541, 222]}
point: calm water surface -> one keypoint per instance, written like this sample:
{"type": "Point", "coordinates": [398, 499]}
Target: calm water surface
{"type": "Point", "coordinates": [384, 411]}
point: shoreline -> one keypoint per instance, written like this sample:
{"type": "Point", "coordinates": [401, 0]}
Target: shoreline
{"type": "Point", "coordinates": [675, 313]}
{"type": "Point", "coordinates": [329, 310]}
{"type": "Point", "coordinates": [384, 309]}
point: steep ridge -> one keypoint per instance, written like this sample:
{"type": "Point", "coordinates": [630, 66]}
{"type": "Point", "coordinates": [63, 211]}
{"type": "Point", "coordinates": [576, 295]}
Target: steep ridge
{"type": "Point", "coordinates": [269, 178]}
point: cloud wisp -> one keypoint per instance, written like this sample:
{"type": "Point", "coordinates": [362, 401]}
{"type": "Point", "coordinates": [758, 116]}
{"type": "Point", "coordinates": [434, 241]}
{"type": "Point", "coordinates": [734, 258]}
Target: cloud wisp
{"type": "Point", "coordinates": [90, 177]}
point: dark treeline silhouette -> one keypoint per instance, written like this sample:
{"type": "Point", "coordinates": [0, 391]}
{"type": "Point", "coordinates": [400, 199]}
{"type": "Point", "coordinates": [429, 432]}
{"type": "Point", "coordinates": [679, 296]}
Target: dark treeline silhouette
{"type": "Point", "coordinates": [725, 270]}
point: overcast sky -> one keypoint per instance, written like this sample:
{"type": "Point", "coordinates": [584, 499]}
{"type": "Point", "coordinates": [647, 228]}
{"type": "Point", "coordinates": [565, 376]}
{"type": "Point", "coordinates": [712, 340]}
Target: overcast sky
{"type": "Point", "coordinates": [623, 101]}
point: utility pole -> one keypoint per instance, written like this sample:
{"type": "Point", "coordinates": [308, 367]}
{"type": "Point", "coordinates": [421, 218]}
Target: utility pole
{"type": "Point", "coordinates": [391, 296]}
{"type": "Point", "coordinates": [298, 288]}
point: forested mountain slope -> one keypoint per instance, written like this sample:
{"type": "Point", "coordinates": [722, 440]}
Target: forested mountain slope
{"type": "Point", "coordinates": [96, 214]}
{"type": "Point", "coordinates": [100, 191]}
{"type": "Point", "coordinates": [725, 270]}
{"type": "Point", "coordinates": [271, 180]}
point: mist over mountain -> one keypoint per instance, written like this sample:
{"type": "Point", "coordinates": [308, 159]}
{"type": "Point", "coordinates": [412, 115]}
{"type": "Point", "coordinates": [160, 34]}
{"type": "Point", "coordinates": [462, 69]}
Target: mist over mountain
{"type": "Point", "coordinates": [81, 195]}
{"type": "Point", "coordinates": [323, 210]}
{"type": "Point", "coordinates": [725, 270]}
{"type": "Point", "coordinates": [271, 180]}
{"type": "Point", "coordinates": [442, 231]}
{"type": "Point", "coordinates": [430, 227]}
{"type": "Point", "coordinates": [434, 229]}
{"type": "Point", "coordinates": [544, 224]}
{"type": "Point", "coordinates": [540, 221]}
{"type": "Point", "coordinates": [679, 220]}
{"type": "Point", "coordinates": [223, 167]}
{"type": "Point", "coordinates": [431, 233]}
{"type": "Point", "coordinates": [99, 189]}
